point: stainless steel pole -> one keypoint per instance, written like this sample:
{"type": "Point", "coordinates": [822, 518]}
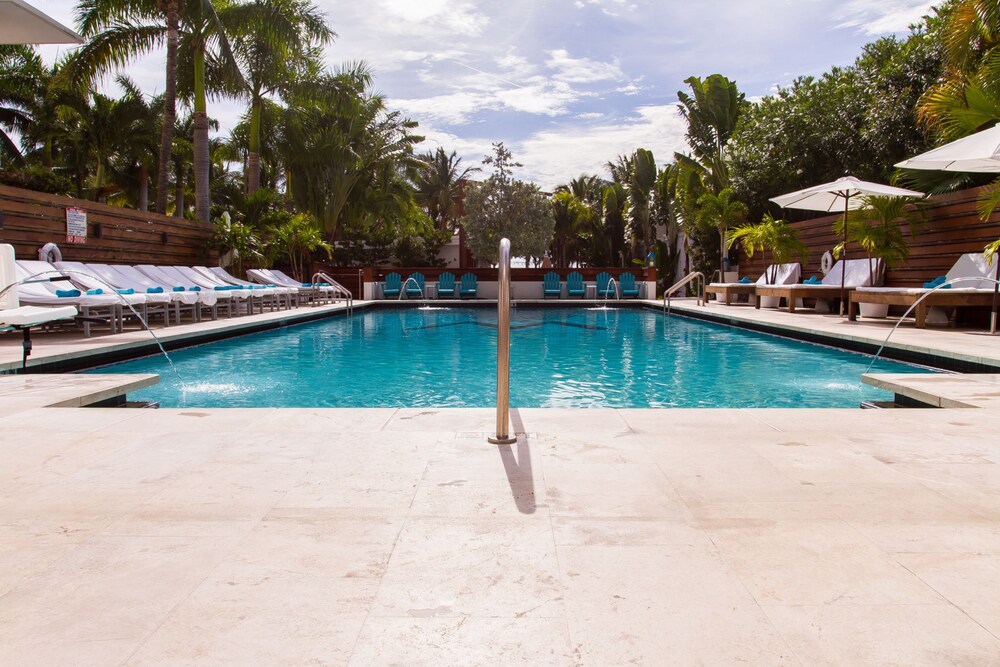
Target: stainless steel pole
{"type": "Point", "coordinates": [502, 436]}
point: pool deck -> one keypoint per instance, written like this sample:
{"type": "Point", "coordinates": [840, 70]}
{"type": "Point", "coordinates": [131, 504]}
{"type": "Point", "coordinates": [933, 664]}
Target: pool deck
{"type": "Point", "coordinates": [399, 536]}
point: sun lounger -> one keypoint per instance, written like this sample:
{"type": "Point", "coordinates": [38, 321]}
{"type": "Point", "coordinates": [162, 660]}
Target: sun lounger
{"type": "Point", "coordinates": [92, 307]}
{"type": "Point", "coordinates": [282, 296]}
{"type": "Point", "coordinates": [306, 292]}
{"type": "Point", "coordinates": [153, 303]}
{"type": "Point", "coordinates": [240, 298]}
{"type": "Point", "coordinates": [177, 283]}
{"type": "Point", "coordinates": [128, 277]}
{"type": "Point", "coordinates": [785, 274]}
{"type": "Point", "coordinates": [14, 316]}
{"type": "Point", "coordinates": [976, 289]}
{"type": "Point", "coordinates": [858, 274]}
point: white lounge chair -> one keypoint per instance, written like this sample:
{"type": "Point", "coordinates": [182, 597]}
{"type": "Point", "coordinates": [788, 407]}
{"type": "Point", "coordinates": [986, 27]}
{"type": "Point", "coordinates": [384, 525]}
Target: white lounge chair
{"type": "Point", "coordinates": [162, 275]}
{"type": "Point", "coordinates": [151, 304]}
{"type": "Point", "coordinates": [859, 273]}
{"type": "Point", "coordinates": [784, 274]}
{"type": "Point", "coordinates": [14, 316]}
{"type": "Point", "coordinates": [238, 295]}
{"type": "Point", "coordinates": [306, 291]}
{"type": "Point", "coordinates": [125, 276]}
{"type": "Point", "coordinates": [39, 290]}
{"type": "Point", "coordinates": [975, 289]}
{"type": "Point", "coordinates": [283, 296]}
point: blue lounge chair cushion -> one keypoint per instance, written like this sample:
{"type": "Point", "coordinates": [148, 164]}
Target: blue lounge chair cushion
{"type": "Point", "coordinates": [178, 288]}
{"type": "Point", "coordinates": [128, 291]}
{"type": "Point", "coordinates": [195, 289]}
{"type": "Point", "coordinates": [68, 293]}
{"type": "Point", "coordinates": [222, 288]}
{"type": "Point", "coordinates": [745, 280]}
{"type": "Point", "coordinates": [813, 280]}
{"type": "Point", "coordinates": [307, 284]}
{"type": "Point", "coordinates": [95, 292]}
{"type": "Point", "coordinates": [154, 290]}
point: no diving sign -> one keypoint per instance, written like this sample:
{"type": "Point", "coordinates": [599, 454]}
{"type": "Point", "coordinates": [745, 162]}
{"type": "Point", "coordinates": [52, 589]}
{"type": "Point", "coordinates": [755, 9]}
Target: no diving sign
{"type": "Point", "coordinates": [76, 225]}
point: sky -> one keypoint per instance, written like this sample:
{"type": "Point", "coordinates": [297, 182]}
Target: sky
{"type": "Point", "coordinates": [568, 85]}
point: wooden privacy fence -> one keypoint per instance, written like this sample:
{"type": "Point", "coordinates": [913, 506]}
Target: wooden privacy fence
{"type": "Point", "coordinates": [114, 235]}
{"type": "Point", "coordinates": [953, 228]}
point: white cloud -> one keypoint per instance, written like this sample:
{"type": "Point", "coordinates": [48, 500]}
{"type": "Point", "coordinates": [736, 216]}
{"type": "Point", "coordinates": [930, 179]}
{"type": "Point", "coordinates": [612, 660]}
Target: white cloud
{"type": "Point", "coordinates": [452, 109]}
{"type": "Point", "coordinates": [458, 17]}
{"type": "Point", "coordinates": [582, 70]}
{"type": "Point", "coordinates": [886, 16]}
{"type": "Point", "coordinates": [554, 156]}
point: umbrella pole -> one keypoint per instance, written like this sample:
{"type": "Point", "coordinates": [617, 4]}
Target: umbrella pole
{"type": "Point", "coordinates": [996, 291]}
{"type": "Point", "coordinates": [843, 269]}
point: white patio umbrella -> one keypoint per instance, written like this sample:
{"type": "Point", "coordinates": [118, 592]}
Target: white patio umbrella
{"type": "Point", "coordinates": [20, 23]}
{"type": "Point", "coordinates": [977, 153]}
{"type": "Point", "coordinates": [844, 193]}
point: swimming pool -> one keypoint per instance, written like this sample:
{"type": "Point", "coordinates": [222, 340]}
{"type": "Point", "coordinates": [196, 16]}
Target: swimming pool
{"type": "Point", "coordinates": [560, 357]}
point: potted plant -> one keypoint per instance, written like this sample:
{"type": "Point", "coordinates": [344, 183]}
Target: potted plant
{"type": "Point", "coordinates": [876, 228]}
{"type": "Point", "coordinates": [769, 236]}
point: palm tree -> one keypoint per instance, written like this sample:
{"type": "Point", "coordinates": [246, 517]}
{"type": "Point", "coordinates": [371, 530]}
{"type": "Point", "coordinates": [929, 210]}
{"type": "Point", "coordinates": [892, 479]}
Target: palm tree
{"type": "Point", "coordinates": [712, 112]}
{"type": "Point", "coordinates": [296, 239]}
{"type": "Point", "coordinates": [438, 183]}
{"type": "Point", "coordinates": [100, 127]}
{"type": "Point", "coordinates": [21, 79]}
{"type": "Point", "coordinates": [274, 42]}
{"type": "Point", "coordinates": [139, 142]}
{"type": "Point", "coordinates": [769, 235]}
{"type": "Point", "coordinates": [720, 211]}
{"type": "Point", "coordinates": [615, 204]}
{"type": "Point", "coordinates": [119, 31]}
{"type": "Point", "coordinates": [337, 138]}
{"type": "Point", "coordinates": [876, 228]}
{"type": "Point", "coordinates": [641, 179]}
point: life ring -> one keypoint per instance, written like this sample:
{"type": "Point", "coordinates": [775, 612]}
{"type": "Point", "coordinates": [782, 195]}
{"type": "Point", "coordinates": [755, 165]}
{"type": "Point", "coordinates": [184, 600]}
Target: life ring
{"type": "Point", "coordinates": [50, 253]}
{"type": "Point", "coordinates": [827, 262]}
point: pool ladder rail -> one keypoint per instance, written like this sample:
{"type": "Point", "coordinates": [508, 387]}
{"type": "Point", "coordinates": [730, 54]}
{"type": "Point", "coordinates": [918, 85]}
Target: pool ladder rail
{"type": "Point", "coordinates": [696, 277]}
{"type": "Point", "coordinates": [340, 290]}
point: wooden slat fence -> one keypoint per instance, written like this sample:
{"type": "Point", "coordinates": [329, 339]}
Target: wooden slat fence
{"type": "Point", "coordinates": [115, 235]}
{"type": "Point", "coordinates": [953, 228]}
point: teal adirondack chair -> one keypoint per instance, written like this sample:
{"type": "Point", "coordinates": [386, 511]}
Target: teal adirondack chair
{"type": "Point", "coordinates": [575, 286]}
{"type": "Point", "coordinates": [415, 285]}
{"type": "Point", "coordinates": [551, 286]}
{"type": "Point", "coordinates": [604, 287]}
{"type": "Point", "coordinates": [469, 286]}
{"type": "Point", "coordinates": [626, 282]}
{"type": "Point", "coordinates": [446, 285]}
{"type": "Point", "coordinates": [392, 285]}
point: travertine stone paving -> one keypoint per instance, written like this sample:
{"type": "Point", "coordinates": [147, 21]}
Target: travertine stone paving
{"type": "Point", "coordinates": [400, 537]}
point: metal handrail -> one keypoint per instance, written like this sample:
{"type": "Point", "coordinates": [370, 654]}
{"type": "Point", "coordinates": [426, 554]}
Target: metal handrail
{"type": "Point", "coordinates": [502, 436]}
{"type": "Point", "coordinates": [683, 282]}
{"type": "Point", "coordinates": [345, 293]}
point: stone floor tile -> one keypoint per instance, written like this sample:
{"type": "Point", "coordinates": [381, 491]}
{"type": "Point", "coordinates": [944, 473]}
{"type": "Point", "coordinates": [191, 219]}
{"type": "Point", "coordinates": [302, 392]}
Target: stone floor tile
{"type": "Point", "coordinates": [283, 620]}
{"type": "Point", "coordinates": [913, 635]}
{"type": "Point", "coordinates": [473, 567]}
{"type": "Point", "coordinates": [469, 640]}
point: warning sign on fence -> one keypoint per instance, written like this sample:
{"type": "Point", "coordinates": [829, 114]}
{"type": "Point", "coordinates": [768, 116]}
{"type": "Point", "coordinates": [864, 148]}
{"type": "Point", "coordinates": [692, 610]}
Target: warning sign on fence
{"type": "Point", "coordinates": [76, 225]}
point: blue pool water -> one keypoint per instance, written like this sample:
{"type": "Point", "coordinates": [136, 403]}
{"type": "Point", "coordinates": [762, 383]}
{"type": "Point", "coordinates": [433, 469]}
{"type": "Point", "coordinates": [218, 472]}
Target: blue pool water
{"type": "Point", "coordinates": [560, 357]}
